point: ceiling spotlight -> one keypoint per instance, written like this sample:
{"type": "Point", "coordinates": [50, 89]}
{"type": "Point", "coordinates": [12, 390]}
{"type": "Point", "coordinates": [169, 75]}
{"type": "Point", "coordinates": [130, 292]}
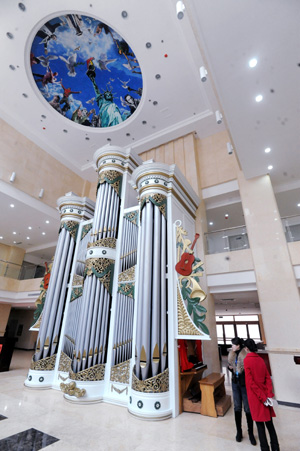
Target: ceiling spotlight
{"type": "Point", "coordinates": [41, 193]}
{"type": "Point", "coordinates": [12, 177]}
{"type": "Point", "coordinates": [29, 228]}
{"type": "Point", "coordinates": [124, 14]}
{"type": "Point", "coordinates": [252, 62]}
{"type": "Point", "coordinates": [47, 222]}
{"type": "Point", "coordinates": [267, 149]}
{"type": "Point", "coordinates": [1, 237]}
{"type": "Point", "coordinates": [14, 233]}
{"type": "Point", "coordinates": [229, 148]}
{"type": "Point", "coordinates": [259, 98]}
{"type": "Point", "coordinates": [27, 238]}
{"type": "Point", "coordinates": [12, 205]}
{"type": "Point", "coordinates": [203, 74]}
{"type": "Point", "coordinates": [180, 8]}
{"type": "Point", "coordinates": [270, 167]}
{"type": "Point", "coordinates": [219, 117]}
{"type": "Point", "coordinates": [43, 233]}
{"type": "Point", "coordinates": [211, 223]}
{"type": "Point", "coordinates": [298, 205]}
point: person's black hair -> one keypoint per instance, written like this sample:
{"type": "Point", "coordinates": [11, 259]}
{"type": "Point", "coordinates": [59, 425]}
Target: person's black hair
{"type": "Point", "coordinates": [251, 345]}
{"type": "Point", "coordinates": [238, 341]}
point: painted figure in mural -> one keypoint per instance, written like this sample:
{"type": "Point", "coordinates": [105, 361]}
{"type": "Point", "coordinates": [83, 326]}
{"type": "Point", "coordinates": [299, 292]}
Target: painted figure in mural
{"type": "Point", "coordinates": [46, 33]}
{"type": "Point", "coordinates": [71, 64]}
{"type": "Point", "coordinates": [65, 99]}
{"type": "Point", "coordinates": [55, 103]}
{"type": "Point", "coordinates": [48, 77]}
{"type": "Point", "coordinates": [109, 113]}
{"type": "Point", "coordinates": [80, 116]}
{"type": "Point", "coordinates": [130, 103]}
{"type": "Point", "coordinates": [75, 21]}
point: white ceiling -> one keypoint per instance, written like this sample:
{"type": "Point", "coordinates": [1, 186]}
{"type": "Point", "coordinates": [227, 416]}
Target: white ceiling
{"type": "Point", "coordinates": [222, 35]}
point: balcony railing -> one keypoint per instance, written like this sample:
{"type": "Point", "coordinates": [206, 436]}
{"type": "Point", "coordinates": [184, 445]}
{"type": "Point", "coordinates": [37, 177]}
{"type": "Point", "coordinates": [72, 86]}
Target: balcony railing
{"type": "Point", "coordinates": [21, 272]}
{"type": "Point", "coordinates": [227, 240]}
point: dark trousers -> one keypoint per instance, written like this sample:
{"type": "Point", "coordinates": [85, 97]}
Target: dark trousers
{"type": "Point", "coordinates": [239, 398]}
{"type": "Point", "coordinates": [263, 438]}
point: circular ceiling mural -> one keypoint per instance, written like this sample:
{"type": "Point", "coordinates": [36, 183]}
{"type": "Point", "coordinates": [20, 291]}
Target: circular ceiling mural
{"type": "Point", "coordinates": [86, 71]}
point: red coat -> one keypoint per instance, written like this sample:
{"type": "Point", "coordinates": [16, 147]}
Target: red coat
{"type": "Point", "coordinates": [259, 387]}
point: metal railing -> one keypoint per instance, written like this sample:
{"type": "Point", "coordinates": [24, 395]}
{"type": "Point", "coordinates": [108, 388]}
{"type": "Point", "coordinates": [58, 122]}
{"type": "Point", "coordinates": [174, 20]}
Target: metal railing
{"type": "Point", "coordinates": [21, 272]}
{"type": "Point", "coordinates": [291, 227]}
{"type": "Point", "coordinates": [227, 240]}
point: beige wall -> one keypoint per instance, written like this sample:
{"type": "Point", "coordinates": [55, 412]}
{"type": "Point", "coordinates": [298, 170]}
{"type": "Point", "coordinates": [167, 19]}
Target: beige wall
{"type": "Point", "coordinates": [20, 155]}
{"type": "Point", "coordinates": [214, 164]}
{"type": "Point", "coordinates": [4, 314]}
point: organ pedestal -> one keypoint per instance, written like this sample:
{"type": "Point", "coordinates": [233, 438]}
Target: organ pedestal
{"type": "Point", "coordinates": [111, 333]}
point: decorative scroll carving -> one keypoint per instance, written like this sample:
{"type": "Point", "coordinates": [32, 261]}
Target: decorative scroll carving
{"type": "Point", "coordinates": [120, 372]}
{"type": "Point", "coordinates": [114, 178]}
{"type": "Point", "coordinates": [156, 384]}
{"type": "Point", "coordinates": [127, 289]}
{"type": "Point", "coordinates": [85, 230]}
{"type": "Point", "coordinates": [71, 227]}
{"type": "Point", "coordinates": [128, 275]}
{"type": "Point", "coordinates": [71, 389]}
{"type": "Point", "coordinates": [104, 242]}
{"type": "Point", "coordinates": [191, 314]}
{"type": "Point", "coordinates": [46, 364]}
{"type": "Point", "coordinates": [132, 216]}
{"type": "Point", "coordinates": [77, 280]}
{"type": "Point", "coordinates": [64, 363]}
{"type": "Point", "coordinates": [95, 373]}
{"type": "Point", "coordinates": [76, 293]}
{"type": "Point", "coordinates": [102, 268]}
{"type": "Point", "coordinates": [185, 323]}
{"type": "Point", "coordinates": [159, 200]}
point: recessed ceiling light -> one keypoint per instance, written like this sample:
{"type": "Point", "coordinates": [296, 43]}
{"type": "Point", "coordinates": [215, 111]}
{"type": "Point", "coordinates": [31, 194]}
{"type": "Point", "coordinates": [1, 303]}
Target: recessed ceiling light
{"type": "Point", "coordinates": [270, 167]}
{"type": "Point", "coordinates": [12, 206]}
{"type": "Point", "coordinates": [43, 233]}
{"type": "Point", "coordinates": [252, 62]}
{"type": "Point", "coordinates": [1, 237]}
{"type": "Point", "coordinates": [47, 222]}
{"type": "Point", "coordinates": [15, 242]}
{"type": "Point", "coordinates": [268, 149]}
{"type": "Point", "coordinates": [298, 205]}
{"type": "Point", "coordinates": [259, 98]}
{"type": "Point", "coordinates": [29, 228]}
{"type": "Point", "coordinates": [27, 238]}
{"type": "Point", "coordinates": [211, 223]}
{"type": "Point", "coordinates": [14, 233]}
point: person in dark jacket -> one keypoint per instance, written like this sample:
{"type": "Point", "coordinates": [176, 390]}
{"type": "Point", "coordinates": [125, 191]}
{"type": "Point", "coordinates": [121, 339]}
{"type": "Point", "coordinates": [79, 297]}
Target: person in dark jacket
{"type": "Point", "coordinates": [260, 394]}
{"type": "Point", "coordinates": [236, 358]}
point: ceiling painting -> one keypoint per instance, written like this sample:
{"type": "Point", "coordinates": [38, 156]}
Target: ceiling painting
{"type": "Point", "coordinates": [86, 71]}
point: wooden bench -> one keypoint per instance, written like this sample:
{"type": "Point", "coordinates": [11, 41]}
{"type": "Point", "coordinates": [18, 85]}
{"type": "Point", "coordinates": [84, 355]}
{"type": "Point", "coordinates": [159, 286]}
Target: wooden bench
{"type": "Point", "coordinates": [214, 400]}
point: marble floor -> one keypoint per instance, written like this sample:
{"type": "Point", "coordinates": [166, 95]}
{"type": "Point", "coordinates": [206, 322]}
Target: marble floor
{"type": "Point", "coordinates": [36, 419]}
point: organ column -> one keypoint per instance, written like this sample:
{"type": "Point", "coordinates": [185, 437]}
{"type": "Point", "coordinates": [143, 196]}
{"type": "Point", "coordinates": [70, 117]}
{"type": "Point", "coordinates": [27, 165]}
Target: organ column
{"type": "Point", "coordinates": [73, 210]}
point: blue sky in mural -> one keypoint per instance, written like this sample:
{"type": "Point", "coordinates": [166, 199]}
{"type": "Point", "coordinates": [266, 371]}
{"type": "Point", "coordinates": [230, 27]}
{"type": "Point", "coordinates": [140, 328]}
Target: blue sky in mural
{"type": "Point", "coordinates": [86, 71]}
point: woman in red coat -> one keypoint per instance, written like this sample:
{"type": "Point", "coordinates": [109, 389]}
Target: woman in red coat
{"type": "Point", "coordinates": [259, 391]}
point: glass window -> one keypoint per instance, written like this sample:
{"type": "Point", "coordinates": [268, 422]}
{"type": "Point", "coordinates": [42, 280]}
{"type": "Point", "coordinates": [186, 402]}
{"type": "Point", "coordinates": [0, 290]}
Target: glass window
{"type": "Point", "coordinates": [245, 318]}
{"type": "Point", "coordinates": [225, 318]}
{"type": "Point", "coordinates": [254, 331]}
{"type": "Point", "coordinates": [229, 332]}
{"type": "Point", "coordinates": [241, 330]}
{"type": "Point", "coordinates": [220, 334]}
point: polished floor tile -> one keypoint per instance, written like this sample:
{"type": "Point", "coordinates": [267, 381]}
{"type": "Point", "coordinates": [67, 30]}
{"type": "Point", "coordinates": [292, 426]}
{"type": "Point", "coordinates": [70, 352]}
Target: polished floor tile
{"type": "Point", "coordinates": [108, 427]}
{"type": "Point", "coordinates": [30, 440]}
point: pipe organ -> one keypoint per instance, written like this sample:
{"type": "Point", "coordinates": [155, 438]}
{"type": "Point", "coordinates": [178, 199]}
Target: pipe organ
{"type": "Point", "coordinates": [115, 305]}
